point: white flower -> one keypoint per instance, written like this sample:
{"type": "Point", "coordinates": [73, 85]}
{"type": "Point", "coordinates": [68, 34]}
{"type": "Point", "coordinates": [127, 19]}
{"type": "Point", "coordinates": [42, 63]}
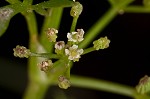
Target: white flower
{"type": "Point", "coordinates": [74, 53]}
{"type": "Point", "coordinates": [76, 36]}
{"type": "Point", "coordinates": [70, 37]}
{"type": "Point", "coordinates": [60, 45]}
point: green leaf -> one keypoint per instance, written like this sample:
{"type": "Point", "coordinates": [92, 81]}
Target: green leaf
{"type": "Point", "coordinates": [6, 13]}
{"type": "Point", "coordinates": [53, 3]}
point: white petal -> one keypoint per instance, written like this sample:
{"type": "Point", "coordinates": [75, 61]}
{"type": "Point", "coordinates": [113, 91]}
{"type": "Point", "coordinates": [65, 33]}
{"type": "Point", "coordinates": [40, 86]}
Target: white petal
{"type": "Point", "coordinates": [67, 51]}
{"type": "Point", "coordinates": [80, 51]}
{"type": "Point", "coordinates": [74, 47]}
{"type": "Point", "coordinates": [74, 33]}
{"type": "Point", "coordinates": [69, 36]}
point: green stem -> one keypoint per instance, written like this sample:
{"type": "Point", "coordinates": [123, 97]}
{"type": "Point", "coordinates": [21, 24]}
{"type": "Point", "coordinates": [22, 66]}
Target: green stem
{"type": "Point", "coordinates": [74, 23]}
{"type": "Point", "coordinates": [45, 55]}
{"type": "Point", "coordinates": [50, 21]}
{"type": "Point", "coordinates": [137, 9]}
{"type": "Point", "coordinates": [13, 1]}
{"type": "Point", "coordinates": [27, 2]}
{"type": "Point", "coordinates": [88, 50]}
{"type": "Point", "coordinates": [35, 91]}
{"type": "Point", "coordinates": [36, 87]}
{"type": "Point", "coordinates": [102, 23]}
{"type": "Point", "coordinates": [98, 27]}
{"type": "Point", "coordinates": [102, 85]}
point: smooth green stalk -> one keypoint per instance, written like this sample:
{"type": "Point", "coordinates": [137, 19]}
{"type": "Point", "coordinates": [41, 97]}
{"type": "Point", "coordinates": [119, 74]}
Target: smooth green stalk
{"type": "Point", "coordinates": [27, 2]}
{"type": "Point", "coordinates": [45, 55]}
{"type": "Point", "coordinates": [102, 85]}
{"type": "Point", "coordinates": [36, 91]}
{"type": "Point", "coordinates": [36, 81]}
{"type": "Point", "coordinates": [88, 50]}
{"type": "Point", "coordinates": [98, 27]}
{"type": "Point", "coordinates": [74, 23]}
{"type": "Point", "coordinates": [102, 23]}
{"type": "Point", "coordinates": [137, 9]}
{"type": "Point", "coordinates": [13, 1]}
{"type": "Point", "coordinates": [50, 21]}
{"type": "Point", "coordinates": [68, 69]}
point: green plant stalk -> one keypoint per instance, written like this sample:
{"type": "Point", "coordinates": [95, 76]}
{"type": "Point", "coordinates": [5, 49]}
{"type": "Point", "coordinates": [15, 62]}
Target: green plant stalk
{"type": "Point", "coordinates": [88, 50]}
{"type": "Point", "coordinates": [27, 2]}
{"type": "Point", "coordinates": [51, 21]}
{"type": "Point", "coordinates": [74, 23]}
{"type": "Point", "coordinates": [13, 1]}
{"type": "Point", "coordinates": [45, 55]}
{"type": "Point", "coordinates": [102, 85]}
{"type": "Point", "coordinates": [36, 82]}
{"type": "Point", "coordinates": [36, 91]}
{"type": "Point", "coordinates": [98, 27]}
{"type": "Point", "coordinates": [102, 23]}
{"type": "Point", "coordinates": [137, 9]}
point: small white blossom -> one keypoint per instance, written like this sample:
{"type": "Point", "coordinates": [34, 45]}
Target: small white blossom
{"type": "Point", "coordinates": [60, 45]}
{"type": "Point", "coordinates": [76, 36]}
{"type": "Point", "coordinates": [74, 53]}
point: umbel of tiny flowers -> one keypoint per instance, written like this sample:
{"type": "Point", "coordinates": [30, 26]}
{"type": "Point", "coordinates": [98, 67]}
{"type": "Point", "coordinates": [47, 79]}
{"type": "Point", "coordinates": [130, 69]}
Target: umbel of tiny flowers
{"type": "Point", "coordinates": [59, 47]}
{"type": "Point", "coordinates": [63, 82]}
{"type": "Point", "coordinates": [101, 43]}
{"type": "Point", "coordinates": [45, 65]}
{"type": "Point", "coordinates": [52, 34]}
{"type": "Point", "coordinates": [76, 36]}
{"type": "Point", "coordinates": [21, 51]}
{"type": "Point", "coordinates": [144, 85]}
{"type": "Point", "coordinates": [73, 53]}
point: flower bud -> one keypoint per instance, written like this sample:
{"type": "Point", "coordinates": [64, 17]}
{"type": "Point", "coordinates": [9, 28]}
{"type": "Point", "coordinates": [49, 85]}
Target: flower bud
{"type": "Point", "coordinates": [76, 9]}
{"type": "Point", "coordinates": [144, 85]}
{"type": "Point", "coordinates": [45, 65]}
{"type": "Point", "coordinates": [64, 83]}
{"type": "Point", "coordinates": [21, 51]}
{"type": "Point", "coordinates": [59, 47]}
{"type": "Point", "coordinates": [101, 43]}
{"type": "Point", "coordinates": [52, 34]}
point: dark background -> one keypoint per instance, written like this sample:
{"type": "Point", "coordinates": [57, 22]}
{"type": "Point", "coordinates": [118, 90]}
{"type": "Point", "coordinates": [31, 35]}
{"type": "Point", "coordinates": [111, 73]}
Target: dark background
{"type": "Point", "coordinates": [125, 61]}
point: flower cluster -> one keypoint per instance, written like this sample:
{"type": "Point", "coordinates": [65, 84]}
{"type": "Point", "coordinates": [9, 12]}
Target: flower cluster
{"type": "Point", "coordinates": [45, 65]}
{"type": "Point", "coordinates": [70, 50]}
{"type": "Point", "coordinates": [101, 43]}
{"type": "Point", "coordinates": [21, 51]}
{"type": "Point", "coordinates": [52, 34]}
{"type": "Point", "coordinates": [64, 83]}
{"type": "Point", "coordinates": [144, 85]}
{"type": "Point", "coordinates": [76, 9]}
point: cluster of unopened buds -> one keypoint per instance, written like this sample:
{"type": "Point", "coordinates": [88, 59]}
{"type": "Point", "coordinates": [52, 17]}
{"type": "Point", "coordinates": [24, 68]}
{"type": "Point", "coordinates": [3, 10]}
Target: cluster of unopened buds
{"type": "Point", "coordinates": [69, 51]}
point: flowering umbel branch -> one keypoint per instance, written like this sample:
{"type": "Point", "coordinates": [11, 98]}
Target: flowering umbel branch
{"type": "Point", "coordinates": [65, 52]}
